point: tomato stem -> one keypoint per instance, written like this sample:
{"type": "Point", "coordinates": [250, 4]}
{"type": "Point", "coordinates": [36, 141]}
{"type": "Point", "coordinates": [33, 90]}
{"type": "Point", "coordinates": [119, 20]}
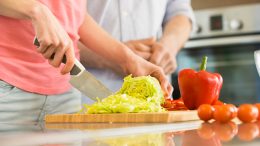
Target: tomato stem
{"type": "Point", "coordinates": [203, 65]}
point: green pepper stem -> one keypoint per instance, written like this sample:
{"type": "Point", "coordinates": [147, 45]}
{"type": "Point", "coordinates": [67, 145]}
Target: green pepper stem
{"type": "Point", "coordinates": [203, 65]}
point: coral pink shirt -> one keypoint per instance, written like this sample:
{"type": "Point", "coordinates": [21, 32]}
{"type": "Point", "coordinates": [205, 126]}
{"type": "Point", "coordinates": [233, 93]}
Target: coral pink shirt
{"type": "Point", "coordinates": [21, 65]}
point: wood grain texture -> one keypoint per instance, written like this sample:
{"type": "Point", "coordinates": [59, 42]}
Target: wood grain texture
{"type": "Point", "coordinates": [164, 117]}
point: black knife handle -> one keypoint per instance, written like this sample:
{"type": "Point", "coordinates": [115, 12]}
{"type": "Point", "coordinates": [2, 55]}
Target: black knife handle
{"type": "Point", "coordinates": [75, 69]}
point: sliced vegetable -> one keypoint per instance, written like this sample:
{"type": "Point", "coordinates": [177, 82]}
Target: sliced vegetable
{"type": "Point", "coordinates": [138, 94]}
{"type": "Point", "coordinates": [173, 105]}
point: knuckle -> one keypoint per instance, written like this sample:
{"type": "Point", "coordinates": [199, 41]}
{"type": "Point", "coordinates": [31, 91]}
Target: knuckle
{"type": "Point", "coordinates": [46, 55]}
{"type": "Point", "coordinates": [61, 45]}
{"type": "Point", "coordinates": [45, 42]}
{"type": "Point", "coordinates": [55, 43]}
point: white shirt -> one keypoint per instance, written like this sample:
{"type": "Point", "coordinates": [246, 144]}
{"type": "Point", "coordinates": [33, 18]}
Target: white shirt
{"type": "Point", "coordinates": [133, 19]}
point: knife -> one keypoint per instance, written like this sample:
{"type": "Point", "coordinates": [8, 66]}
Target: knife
{"type": "Point", "coordinates": [83, 80]}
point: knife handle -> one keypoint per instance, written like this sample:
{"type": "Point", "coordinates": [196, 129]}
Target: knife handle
{"type": "Point", "coordinates": [76, 69]}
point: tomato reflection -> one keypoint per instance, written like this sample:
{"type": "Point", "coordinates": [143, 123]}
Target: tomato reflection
{"type": "Point", "coordinates": [225, 131]}
{"type": "Point", "coordinates": [248, 131]}
{"type": "Point", "coordinates": [258, 125]}
{"type": "Point", "coordinates": [206, 131]}
{"type": "Point", "coordinates": [193, 138]}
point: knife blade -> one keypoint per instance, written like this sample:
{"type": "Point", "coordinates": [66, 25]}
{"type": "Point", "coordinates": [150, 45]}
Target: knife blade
{"type": "Point", "coordinates": [83, 80]}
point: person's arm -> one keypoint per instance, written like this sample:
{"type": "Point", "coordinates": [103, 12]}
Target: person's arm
{"type": "Point", "coordinates": [90, 59]}
{"type": "Point", "coordinates": [51, 35]}
{"type": "Point", "coordinates": [94, 38]}
{"type": "Point", "coordinates": [175, 34]}
{"type": "Point", "coordinates": [177, 27]}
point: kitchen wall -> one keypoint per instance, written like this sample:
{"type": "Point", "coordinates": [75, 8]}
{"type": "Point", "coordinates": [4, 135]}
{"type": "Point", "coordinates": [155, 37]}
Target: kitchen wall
{"type": "Point", "coordinates": [202, 4]}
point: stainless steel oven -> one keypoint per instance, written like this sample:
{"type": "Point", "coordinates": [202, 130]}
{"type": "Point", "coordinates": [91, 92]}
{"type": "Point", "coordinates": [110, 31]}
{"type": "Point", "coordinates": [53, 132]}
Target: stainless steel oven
{"type": "Point", "coordinates": [229, 36]}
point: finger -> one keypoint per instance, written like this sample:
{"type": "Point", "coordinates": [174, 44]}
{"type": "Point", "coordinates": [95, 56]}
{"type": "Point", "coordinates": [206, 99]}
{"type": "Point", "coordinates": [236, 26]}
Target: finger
{"type": "Point", "coordinates": [165, 85]}
{"type": "Point", "coordinates": [170, 90]}
{"type": "Point", "coordinates": [148, 41]}
{"type": "Point", "coordinates": [145, 55]}
{"type": "Point", "coordinates": [43, 47]}
{"type": "Point", "coordinates": [56, 61]}
{"type": "Point", "coordinates": [49, 51]}
{"type": "Point", "coordinates": [156, 57]}
{"type": "Point", "coordinates": [164, 62]}
{"type": "Point", "coordinates": [169, 69]}
{"type": "Point", "coordinates": [70, 60]}
{"type": "Point", "coordinates": [143, 47]}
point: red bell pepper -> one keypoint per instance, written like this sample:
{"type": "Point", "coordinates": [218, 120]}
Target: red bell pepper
{"type": "Point", "coordinates": [200, 87]}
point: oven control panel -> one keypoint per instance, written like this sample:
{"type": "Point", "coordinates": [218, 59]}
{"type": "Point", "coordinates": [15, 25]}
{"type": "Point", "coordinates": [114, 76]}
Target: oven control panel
{"type": "Point", "coordinates": [227, 21]}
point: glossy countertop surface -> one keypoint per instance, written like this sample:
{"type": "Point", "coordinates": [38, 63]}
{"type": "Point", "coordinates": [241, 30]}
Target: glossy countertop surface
{"type": "Point", "coordinates": [192, 133]}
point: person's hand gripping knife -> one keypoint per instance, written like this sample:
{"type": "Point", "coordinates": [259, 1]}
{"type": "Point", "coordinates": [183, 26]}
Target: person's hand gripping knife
{"type": "Point", "coordinates": [51, 35]}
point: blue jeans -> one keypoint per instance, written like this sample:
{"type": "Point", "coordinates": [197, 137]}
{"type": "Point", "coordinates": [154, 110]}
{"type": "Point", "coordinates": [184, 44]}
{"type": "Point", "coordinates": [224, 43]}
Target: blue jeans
{"type": "Point", "coordinates": [19, 106]}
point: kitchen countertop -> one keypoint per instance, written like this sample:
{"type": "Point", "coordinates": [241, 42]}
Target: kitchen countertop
{"type": "Point", "coordinates": [192, 133]}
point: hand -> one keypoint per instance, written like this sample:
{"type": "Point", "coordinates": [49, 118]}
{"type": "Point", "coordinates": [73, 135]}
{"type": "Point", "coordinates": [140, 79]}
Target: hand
{"type": "Point", "coordinates": [163, 57]}
{"type": "Point", "coordinates": [141, 47]}
{"type": "Point", "coordinates": [53, 39]}
{"type": "Point", "coordinates": [140, 67]}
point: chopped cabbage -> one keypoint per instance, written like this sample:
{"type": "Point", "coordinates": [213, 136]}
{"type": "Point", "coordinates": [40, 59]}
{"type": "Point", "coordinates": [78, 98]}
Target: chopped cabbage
{"type": "Point", "coordinates": [144, 87]}
{"type": "Point", "coordinates": [138, 94]}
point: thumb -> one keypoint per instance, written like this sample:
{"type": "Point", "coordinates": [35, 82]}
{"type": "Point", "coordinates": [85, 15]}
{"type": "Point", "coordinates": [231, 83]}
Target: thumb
{"type": "Point", "coordinates": [165, 84]}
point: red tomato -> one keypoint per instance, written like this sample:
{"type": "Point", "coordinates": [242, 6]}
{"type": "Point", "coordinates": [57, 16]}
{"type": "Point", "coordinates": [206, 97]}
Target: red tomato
{"type": "Point", "coordinates": [206, 131]}
{"type": "Point", "coordinates": [247, 113]}
{"type": "Point", "coordinates": [248, 131]}
{"type": "Point", "coordinates": [205, 112]}
{"type": "Point", "coordinates": [233, 110]}
{"type": "Point", "coordinates": [223, 113]}
{"type": "Point", "coordinates": [258, 107]}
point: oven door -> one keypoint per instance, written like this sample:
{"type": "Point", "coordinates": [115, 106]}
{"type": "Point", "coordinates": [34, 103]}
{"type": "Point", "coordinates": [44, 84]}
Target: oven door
{"type": "Point", "coordinates": [235, 62]}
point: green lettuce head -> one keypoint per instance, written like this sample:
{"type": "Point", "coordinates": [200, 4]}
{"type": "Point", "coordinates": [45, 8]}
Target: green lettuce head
{"type": "Point", "coordinates": [143, 87]}
{"type": "Point", "coordinates": [138, 94]}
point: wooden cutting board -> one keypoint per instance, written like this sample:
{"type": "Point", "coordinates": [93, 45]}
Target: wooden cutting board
{"type": "Point", "coordinates": [164, 117]}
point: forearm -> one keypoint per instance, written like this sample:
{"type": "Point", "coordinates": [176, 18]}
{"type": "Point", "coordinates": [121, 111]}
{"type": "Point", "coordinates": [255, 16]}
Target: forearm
{"type": "Point", "coordinates": [20, 9]}
{"type": "Point", "coordinates": [90, 59]}
{"type": "Point", "coordinates": [176, 32]}
{"type": "Point", "coordinates": [94, 38]}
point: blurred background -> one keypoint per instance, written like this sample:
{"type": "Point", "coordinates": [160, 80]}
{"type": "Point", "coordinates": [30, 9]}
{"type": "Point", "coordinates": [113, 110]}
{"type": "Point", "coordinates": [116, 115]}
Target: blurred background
{"type": "Point", "coordinates": [228, 32]}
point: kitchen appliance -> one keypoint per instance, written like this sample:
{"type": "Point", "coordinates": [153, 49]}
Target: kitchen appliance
{"type": "Point", "coordinates": [229, 36]}
{"type": "Point", "coordinates": [83, 80]}
{"type": "Point", "coordinates": [163, 117]}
